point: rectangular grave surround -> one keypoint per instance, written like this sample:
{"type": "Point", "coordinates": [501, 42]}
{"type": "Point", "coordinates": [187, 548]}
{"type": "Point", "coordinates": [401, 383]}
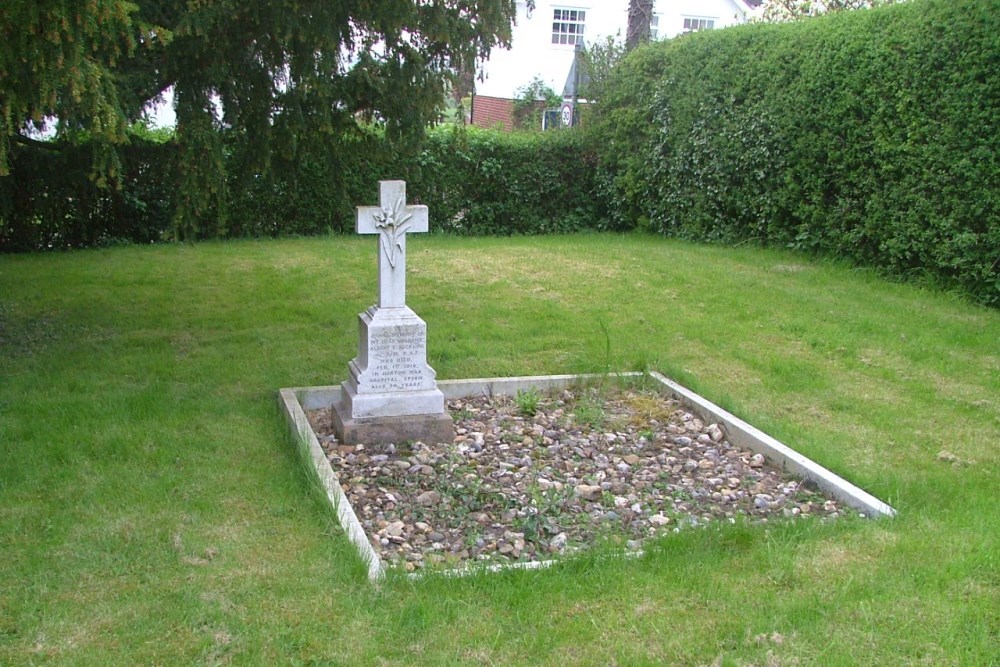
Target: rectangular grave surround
{"type": "Point", "coordinates": [295, 401]}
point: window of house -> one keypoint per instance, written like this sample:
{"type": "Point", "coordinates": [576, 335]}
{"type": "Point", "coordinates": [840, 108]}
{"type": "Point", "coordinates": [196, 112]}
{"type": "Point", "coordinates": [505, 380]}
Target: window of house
{"type": "Point", "coordinates": [693, 24]}
{"type": "Point", "coordinates": [654, 27]}
{"type": "Point", "coordinates": [567, 26]}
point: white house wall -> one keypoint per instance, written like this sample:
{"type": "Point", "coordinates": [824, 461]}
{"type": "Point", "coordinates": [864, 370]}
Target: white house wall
{"type": "Point", "coordinates": [533, 54]}
{"type": "Point", "coordinates": [672, 13]}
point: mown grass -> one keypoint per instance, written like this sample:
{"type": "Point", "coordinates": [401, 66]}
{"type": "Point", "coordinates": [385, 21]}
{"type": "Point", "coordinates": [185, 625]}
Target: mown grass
{"type": "Point", "coordinates": [154, 511]}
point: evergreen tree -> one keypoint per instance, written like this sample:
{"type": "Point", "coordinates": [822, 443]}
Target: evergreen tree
{"type": "Point", "coordinates": [266, 74]}
{"type": "Point", "coordinates": [58, 60]}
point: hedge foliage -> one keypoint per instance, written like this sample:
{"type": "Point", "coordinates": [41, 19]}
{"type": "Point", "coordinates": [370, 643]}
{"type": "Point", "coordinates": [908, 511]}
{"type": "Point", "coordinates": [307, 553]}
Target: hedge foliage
{"type": "Point", "coordinates": [868, 135]}
{"type": "Point", "coordinates": [50, 201]}
{"type": "Point", "coordinates": [486, 182]}
{"type": "Point", "coordinates": [474, 181]}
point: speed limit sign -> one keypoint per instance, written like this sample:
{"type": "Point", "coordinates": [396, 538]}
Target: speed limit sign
{"type": "Point", "coordinates": [567, 114]}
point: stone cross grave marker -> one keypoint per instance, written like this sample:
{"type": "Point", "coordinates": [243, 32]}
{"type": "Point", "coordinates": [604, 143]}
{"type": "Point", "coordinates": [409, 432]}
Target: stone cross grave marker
{"type": "Point", "coordinates": [390, 394]}
{"type": "Point", "coordinates": [392, 220]}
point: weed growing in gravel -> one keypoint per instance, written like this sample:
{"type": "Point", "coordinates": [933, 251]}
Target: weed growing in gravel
{"type": "Point", "coordinates": [589, 411]}
{"type": "Point", "coordinates": [543, 514]}
{"type": "Point", "coordinates": [527, 401]}
{"type": "Point", "coordinates": [460, 415]}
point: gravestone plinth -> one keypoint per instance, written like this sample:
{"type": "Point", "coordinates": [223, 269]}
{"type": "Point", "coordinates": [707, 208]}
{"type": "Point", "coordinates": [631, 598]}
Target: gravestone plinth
{"type": "Point", "coordinates": [390, 394]}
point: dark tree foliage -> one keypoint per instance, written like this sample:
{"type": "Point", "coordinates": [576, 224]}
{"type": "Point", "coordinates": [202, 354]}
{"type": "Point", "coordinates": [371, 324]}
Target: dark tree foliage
{"type": "Point", "coordinates": [257, 76]}
{"type": "Point", "coordinates": [58, 59]}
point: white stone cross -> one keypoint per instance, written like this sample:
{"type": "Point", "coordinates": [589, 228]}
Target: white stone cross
{"type": "Point", "coordinates": [392, 219]}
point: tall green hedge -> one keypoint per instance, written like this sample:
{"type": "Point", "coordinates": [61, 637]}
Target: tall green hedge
{"type": "Point", "coordinates": [869, 135]}
{"type": "Point", "coordinates": [488, 182]}
{"type": "Point", "coordinates": [50, 201]}
{"type": "Point", "coordinates": [474, 181]}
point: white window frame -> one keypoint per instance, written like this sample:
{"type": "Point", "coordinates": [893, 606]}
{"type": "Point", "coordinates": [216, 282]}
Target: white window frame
{"type": "Point", "coordinates": [654, 27]}
{"type": "Point", "coordinates": [568, 24]}
{"type": "Point", "coordinates": [696, 23]}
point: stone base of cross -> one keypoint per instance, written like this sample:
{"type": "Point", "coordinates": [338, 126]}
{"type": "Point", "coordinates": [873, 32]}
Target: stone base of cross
{"type": "Point", "coordinates": [391, 394]}
{"type": "Point", "coordinates": [390, 376]}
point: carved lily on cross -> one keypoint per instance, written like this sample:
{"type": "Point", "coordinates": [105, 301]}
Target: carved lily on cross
{"type": "Point", "coordinates": [392, 224]}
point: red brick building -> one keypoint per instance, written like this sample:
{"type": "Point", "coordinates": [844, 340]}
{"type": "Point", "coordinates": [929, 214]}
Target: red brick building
{"type": "Point", "coordinates": [491, 112]}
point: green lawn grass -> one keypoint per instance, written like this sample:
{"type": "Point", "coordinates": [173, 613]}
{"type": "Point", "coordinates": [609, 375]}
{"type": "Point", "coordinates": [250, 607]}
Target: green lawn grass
{"type": "Point", "coordinates": [153, 509]}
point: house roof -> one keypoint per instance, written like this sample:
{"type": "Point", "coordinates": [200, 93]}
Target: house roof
{"type": "Point", "coordinates": [578, 77]}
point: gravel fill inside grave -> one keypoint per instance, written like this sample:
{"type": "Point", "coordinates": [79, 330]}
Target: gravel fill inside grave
{"type": "Point", "coordinates": [589, 464]}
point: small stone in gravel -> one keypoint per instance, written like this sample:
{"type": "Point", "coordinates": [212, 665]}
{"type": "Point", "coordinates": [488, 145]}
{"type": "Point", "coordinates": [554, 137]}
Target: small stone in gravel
{"type": "Point", "coordinates": [757, 461]}
{"type": "Point", "coordinates": [429, 498]}
{"type": "Point", "coordinates": [659, 520]}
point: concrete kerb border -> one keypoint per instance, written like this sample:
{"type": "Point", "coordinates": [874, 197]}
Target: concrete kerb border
{"type": "Point", "coordinates": [294, 403]}
{"type": "Point", "coordinates": [742, 434]}
{"type": "Point", "coordinates": [295, 415]}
